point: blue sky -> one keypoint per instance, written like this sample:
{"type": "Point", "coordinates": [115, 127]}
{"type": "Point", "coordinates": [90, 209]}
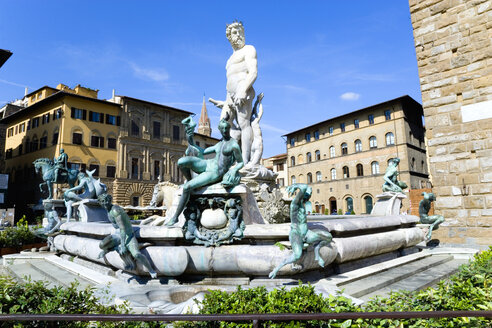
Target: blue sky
{"type": "Point", "coordinates": [316, 59]}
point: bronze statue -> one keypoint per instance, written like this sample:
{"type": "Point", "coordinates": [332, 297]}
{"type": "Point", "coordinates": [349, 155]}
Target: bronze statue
{"type": "Point", "coordinates": [299, 232]}
{"type": "Point", "coordinates": [210, 171]}
{"type": "Point", "coordinates": [391, 182]}
{"type": "Point", "coordinates": [125, 243]}
{"type": "Point", "coordinates": [424, 208]}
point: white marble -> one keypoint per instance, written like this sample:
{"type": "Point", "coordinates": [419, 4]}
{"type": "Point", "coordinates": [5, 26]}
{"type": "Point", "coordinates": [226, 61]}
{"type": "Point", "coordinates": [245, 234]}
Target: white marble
{"type": "Point", "coordinates": [388, 203]}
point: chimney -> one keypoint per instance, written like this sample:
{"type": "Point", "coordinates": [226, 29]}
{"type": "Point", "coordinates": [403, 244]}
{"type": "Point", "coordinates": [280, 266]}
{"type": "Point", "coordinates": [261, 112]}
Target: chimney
{"type": "Point", "coordinates": [25, 92]}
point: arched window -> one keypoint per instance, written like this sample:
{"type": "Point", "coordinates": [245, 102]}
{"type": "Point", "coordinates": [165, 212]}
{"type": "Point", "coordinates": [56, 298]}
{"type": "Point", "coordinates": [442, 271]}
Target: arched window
{"type": "Point", "coordinates": [332, 151]}
{"type": "Point", "coordinates": [390, 139]}
{"type": "Point", "coordinates": [373, 142]}
{"type": "Point", "coordinates": [423, 165]}
{"type": "Point", "coordinates": [346, 173]}
{"type": "Point", "coordinates": [309, 177]}
{"type": "Point", "coordinates": [412, 163]}
{"type": "Point", "coordinates": [318, 176]}
{"type": "Point", "coordinates": [293, 179]}
{"type": "Point", "coordinates": [333, 174]}
{"type": "Point", "coordinates": [375, 168]}
{"type": "Point", "coordinates": [301, 178]}
{"type": "Point", "coordinates": [34, 143]}
{"type": "Point", "coordinates": [344, 149]}
{"type": "Point", "coordinates": [350, 205]}
{"type": "Point", "coordinates": [292, 161]}
{"type": "Point", "coordinates": [317, 155]}
{"type": "Point", "coordinates": [368, 204]}
{"type": "Point", "coordinates": [308, 158]}
{"type": "Point", "coordinates": [300, 159]}
{"type": "Point", "coordinates": [358, 146]}
{"type": "Point", "coordinates": [360, 170]}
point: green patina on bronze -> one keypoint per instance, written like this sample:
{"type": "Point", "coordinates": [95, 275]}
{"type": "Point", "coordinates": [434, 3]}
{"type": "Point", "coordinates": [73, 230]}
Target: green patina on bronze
{"type": "Point", "coordinates": [221, 168]}
{"type": "Point", "coordinates": [391, 182]}
{"type": "Point", "coordinates": [124, 242]}
{"type": "Point", "coordinates": [424, 208]}
{"type": "Point", "coordinates": [299, 234]}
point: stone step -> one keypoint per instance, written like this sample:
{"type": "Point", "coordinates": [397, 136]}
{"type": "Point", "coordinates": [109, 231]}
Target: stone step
{"type": "Point", "coordinates": [420, 280]}
{"type": "Point", "coordinates": [22, 272]}
{"type": "Point", "coordinates": [58, 275]}
{"type": "Point", "coordinates": [361, 287]}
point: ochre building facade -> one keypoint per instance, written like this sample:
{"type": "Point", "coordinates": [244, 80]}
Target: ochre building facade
{"type": "Point", "coordinates": [344, 158]}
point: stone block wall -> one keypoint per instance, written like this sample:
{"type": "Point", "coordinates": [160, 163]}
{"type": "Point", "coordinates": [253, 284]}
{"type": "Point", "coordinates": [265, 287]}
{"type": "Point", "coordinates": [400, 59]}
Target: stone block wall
{"type": "Point", "coordinates": [453, 43]}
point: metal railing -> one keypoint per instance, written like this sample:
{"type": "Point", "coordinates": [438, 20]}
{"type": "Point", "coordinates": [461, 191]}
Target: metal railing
{"type": "Point", "coordinates": [254, 318]}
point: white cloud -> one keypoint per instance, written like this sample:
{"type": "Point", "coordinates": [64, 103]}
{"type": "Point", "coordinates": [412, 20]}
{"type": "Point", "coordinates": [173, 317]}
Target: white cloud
{"type": "Point", "coordinates": [350, 96]}
{"type": "Point", "coordinates": [272, 128]}
{"type": "Point", "coordinates": [157, 74]}
{"type": "Point", "coordinates": [13, 83]}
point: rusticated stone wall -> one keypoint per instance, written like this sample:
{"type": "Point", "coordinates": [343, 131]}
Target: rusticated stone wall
{"type": "Point", "coordinates": [454, 54]}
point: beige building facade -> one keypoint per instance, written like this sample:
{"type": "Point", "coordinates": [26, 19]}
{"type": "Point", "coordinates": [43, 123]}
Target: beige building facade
{"type": "Point", "coordinates": [130, 143]}
{"type": "Point", "coordinates": [150, 142]}
{"type": "Point", "coordinates": [344, 159]}
{"type": "Point", "coordinates": [453, 43]}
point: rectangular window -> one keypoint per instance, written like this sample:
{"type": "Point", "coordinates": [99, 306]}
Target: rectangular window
{"type": "Point", "coordinates": [280, 182]}
{"type": "Point", "coordinates": [110, 171]}
{"type": "Point", "coordinates": [10, 132]}
{"type": "Point", "coordinates": [308, 137]}
{"type": "Point", "coordinates": [330, 130]}
{"type": "Point", "coordinates": [20, 149]}
{"type": "Point", "coordinates": [16, 129]}
{"type": "Point", "coordinates": [342, 127]}
{"type": "Point", "coordinates": [43, 142]}
{"type": "Point", "coordinates": [356, 123]}
{"type": "Point", "coordinates": [387, 115]}
{"type": "Point", "coordinates": [22, 127]}
{"type": "Point", "coordinates": [134, 168]}
{"type": "Point", "coordinates": [135, 130]}
{"type": "Point", "coordinates": [110, 119]}
{"type": "Point", "coordinates": [96, 117]}
{"type": "Point", "coordinates": [97, 141]}
{"type": "Point", "coordinates": [77, 138]}
{"type": "Point", "coordinates": [34, 145]}
{"type": "Point", "coordinates": [111, 143]}
{"type": "Point", "coordinates": [29, 125]}
{"type": "Point", "coordinates": [74, 166]}
{"type": "Point", "coordinates": [57, 113]}
{"type": "Point", "coordinates": [94, 167]}
{"type": "Point", "coordinates": [292, 142]}
{"type": "Point", "coordinates": [8, 153]}
{"type": "Point", "coordinates": [35, 122]}
{"type": "Point", "coordinates": [316, 135]}
{"type": "Point", "coordinates": [157, 167]}
{"type": "Point", "coordinates": [280, 167]}
{"type": "Point", "coordinates": [371, 119]}
{"type": "Point", "coordinates": [45, 118]}
{"type": "Point", "coordinates": [175, 132]}
{"type": "Point", "coordinates": [156, 131]}
{"type": "Point", "coordinates": [77, 113]}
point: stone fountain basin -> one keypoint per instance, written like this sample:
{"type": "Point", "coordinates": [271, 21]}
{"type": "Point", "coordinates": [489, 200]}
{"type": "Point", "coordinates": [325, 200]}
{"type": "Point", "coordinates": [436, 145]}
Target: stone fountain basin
{"type": "Point", "coordinates": [254, 256]}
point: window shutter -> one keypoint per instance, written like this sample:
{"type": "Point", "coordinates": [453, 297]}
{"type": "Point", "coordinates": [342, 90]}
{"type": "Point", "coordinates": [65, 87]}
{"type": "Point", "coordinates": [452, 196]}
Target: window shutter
{"type": "Point", "coordinates": [84, 114]}
{"type": "Point", "coordinates": [118, 120]}
{"type": "Point", "coordinates": [90, 116]}
{"type": "Point", "coordinates": [72, 112]}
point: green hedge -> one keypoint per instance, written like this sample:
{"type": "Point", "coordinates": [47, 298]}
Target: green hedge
{"type": "Point", "coordinates": [17, 236]}
{"type": "Point", "coordinates": [469, 289]}
{"type": "Point", "coordinates": [37, 298]}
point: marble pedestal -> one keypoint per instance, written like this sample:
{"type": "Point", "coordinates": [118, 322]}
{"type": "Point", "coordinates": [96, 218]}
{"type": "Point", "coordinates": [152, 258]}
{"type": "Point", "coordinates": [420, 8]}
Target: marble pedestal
{"type": "Point", "coordinates": [89, 210]}
{"type": "Point", "coordinates": [388, 203]}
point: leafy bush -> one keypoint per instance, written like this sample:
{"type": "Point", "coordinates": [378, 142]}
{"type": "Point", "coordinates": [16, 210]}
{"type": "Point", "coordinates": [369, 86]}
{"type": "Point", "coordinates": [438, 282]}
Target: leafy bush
{"type": "Point", "coordinates": [469, 289]}
{"type": "Point", "coordinates": [17, 236]}
{"type": "Point", "coordinates": [37, 298]}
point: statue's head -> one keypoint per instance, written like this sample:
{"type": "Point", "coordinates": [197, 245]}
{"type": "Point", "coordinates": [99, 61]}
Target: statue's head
{"type": "Point", "coordinates": [235, 34]}
{"type": "Point", "coordinates": [429, 195]}
{"type": "Point", "coordinates": [225, 126]}
{"type": "Point", "coordinates": [62, 151]}
{"type": "Point", "coordinates": [47, 205]}
{"type": "Point", "coordinates": [81, 175]}
{"type": "Point", "coordinates": [396, 161]}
